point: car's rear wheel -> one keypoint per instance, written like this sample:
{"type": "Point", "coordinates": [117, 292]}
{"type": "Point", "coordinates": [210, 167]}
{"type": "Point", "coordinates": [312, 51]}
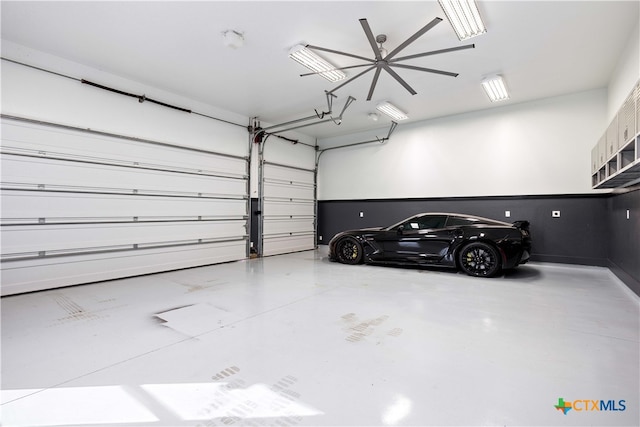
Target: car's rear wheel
{"type": "Point", "coordinates": [349, 251]}
{"type": "Point", "coordinates": [479, 259]}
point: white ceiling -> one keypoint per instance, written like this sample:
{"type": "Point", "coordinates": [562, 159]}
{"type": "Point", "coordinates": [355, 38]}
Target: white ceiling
{"type": "Point", "coordinates": [542, 49]}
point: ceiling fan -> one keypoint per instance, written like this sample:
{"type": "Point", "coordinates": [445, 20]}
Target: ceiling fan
{"type": "Point", "coordinates": [385, 61]}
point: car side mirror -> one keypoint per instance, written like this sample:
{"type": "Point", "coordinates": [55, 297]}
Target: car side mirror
{"type": "Point", "coordinates": [401, 229]}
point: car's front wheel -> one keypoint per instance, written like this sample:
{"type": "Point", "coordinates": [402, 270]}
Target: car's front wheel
{"type": "Point", "coordinates": [479, 259]}
{"type": "Point", "coordinates": [349, 251]}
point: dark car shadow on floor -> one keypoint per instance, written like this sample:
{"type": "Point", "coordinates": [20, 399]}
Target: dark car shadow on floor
{"type": "Point", "coordinates": [523, 272]}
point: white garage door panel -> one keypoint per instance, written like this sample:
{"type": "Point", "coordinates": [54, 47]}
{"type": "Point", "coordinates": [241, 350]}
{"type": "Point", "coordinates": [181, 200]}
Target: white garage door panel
{"type": "Point", "coordinates": [19, 207]}
{"type": "Point", "coordinates": [24, 241]}
{"type": "Point", "coordinates": [277, 226]}
{"type": "Point", "coordinates": [27, 172]}
{"type": "Point", "coordinates": [287, 191]}
{"type": "Point", "coordinates": [40, 140]}
{"type": "Point", "coordinates": [288, 174]}
{"type": "Point", "coordinates": [285, 244]}
{"type": "Point", "coordinates": [80, 206]}
{"type": "Point", "coordinates": [26, 276]}
{"type": "Point", "coordinates": [288, 208]}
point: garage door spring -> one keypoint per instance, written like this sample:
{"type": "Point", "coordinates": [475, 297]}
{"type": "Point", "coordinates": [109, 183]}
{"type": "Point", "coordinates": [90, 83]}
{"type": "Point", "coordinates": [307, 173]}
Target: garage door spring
{"type": "Point", "coordinates": [140, 98]}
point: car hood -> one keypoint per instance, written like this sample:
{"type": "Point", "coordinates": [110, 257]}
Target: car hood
{"type": "Point", "coordinates": [362, 230]}
{"type": "Point", "coordinates": [357, 231]}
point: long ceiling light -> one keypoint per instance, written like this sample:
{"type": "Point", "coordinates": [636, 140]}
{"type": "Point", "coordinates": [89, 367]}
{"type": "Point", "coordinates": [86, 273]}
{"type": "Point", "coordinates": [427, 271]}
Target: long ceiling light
{"type": "Point", "coordinates": [302, 55]}
{"type": "Point", "coordinates": [495, 88]}
{"type": "Point", "coordinates": [464, 17]}
{"type": "Point", "coordinates": [391, 111]}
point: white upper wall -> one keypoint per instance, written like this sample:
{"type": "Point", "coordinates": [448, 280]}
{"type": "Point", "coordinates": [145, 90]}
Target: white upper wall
{"type": "Point", "coordinates": [541, 147]}
{"type": "Point", "coordinates": [625, 75]}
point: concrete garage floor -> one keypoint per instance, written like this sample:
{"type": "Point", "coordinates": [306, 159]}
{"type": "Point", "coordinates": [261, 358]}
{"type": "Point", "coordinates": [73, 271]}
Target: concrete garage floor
{"type": "Point", "coordinates": [296, 340]}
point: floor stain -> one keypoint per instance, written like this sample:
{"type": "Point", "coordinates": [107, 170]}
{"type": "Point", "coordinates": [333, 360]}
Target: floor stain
{"type": "Point", "coordinates": [208, 284]}
{"type": "Point", "coordinates": [225, 373]}
{"type": "Point", "coordinates": [359, 330]}
{"type": "Point", "coordinates": [350, 317]}
{"type": "Point", "coordinates": [355, 337]}
{"type": "Point", "coordinates": [396, 332]}
{"type": "Point", "coordinates": [234, 404]}
{"type": "Point", "coordinates": [74, 311]}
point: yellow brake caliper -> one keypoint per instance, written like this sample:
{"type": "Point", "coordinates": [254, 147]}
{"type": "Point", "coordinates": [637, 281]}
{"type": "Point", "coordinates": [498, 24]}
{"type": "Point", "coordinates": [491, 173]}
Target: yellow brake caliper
{"type": "Point", "coordinates": [470, 259]}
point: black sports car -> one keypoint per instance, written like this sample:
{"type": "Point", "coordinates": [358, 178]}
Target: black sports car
{"type": "Point", "coordinates": [479, 246]}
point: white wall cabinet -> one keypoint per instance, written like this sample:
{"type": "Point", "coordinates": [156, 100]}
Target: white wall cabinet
{"type": "Point", "coordinates": [615, 159]}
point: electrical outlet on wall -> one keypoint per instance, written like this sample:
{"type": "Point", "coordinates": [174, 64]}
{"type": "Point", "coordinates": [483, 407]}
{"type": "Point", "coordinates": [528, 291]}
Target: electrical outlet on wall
{"type": "Point", "coordinates": [555, 214]}
{"type": "Point", "coordinates": [361, 214]}
{"type": "Point", "coordinates": [507, 214]}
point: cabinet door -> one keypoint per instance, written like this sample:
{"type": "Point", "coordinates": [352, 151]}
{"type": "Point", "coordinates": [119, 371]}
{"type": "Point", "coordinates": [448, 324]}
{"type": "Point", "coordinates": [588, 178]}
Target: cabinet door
{"type": "Point", "coordinates": [612, 138]}
{"type": "Point", "coordinates": [637, 102]}
{"type": "Point", "coordinates": [626, 120]}
{"type": "Point", "coordinates": [602, 150]}
{"type": "Point", "coordinates": [594, 159]}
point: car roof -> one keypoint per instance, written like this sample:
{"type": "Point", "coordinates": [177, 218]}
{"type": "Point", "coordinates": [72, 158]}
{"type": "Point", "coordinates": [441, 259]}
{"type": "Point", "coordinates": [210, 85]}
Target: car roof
{"type": "Point", "coordinates": [458, 215]}
{"type": "Point", "coordinates": [462, 215]}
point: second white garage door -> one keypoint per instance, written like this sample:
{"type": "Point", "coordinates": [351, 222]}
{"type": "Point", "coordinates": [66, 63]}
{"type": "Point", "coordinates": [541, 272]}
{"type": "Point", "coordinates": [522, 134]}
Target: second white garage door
{"type": "Point", "coordinates": [288, 209]}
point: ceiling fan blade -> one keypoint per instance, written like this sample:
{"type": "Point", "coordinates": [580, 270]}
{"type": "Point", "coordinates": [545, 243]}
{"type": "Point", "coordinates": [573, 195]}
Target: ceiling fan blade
{"type": "Point", "coordinates": [428, 70]}
{"type": "Point", "coordinates": [435, 52]}
{"type": "Point", "coordinates": [341, 68]}
{"type": "Point", "coordinates": [339, 53]}
{"type": "Point", "coordinates": [373, 83]}
{"type": "Point", "coordinates": [413, 38]}
{"type": "Point", "coordinates": [352, 79]}
{"type": "Point", "coordinates": [371, 38]}
{"type": "Point", "coordinates": [399, 79]}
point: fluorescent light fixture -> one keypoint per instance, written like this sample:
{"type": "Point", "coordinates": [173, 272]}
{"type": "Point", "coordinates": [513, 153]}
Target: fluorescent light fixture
{"type": "Point", "coordinates": [495, 88]}
{"type": "Point", "coordinates": [302, 55]}
{"type": "Point", "coordinates": [391, 111]}
{"type": "Point", "coordinates": [464, 17]}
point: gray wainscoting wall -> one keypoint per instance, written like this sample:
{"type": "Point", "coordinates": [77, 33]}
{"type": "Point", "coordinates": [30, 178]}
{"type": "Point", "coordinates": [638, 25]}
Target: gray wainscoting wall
{"type": "Point", "coordinates": [591, 229]}
{"type": "Point", "coordinates": [624, 237]}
